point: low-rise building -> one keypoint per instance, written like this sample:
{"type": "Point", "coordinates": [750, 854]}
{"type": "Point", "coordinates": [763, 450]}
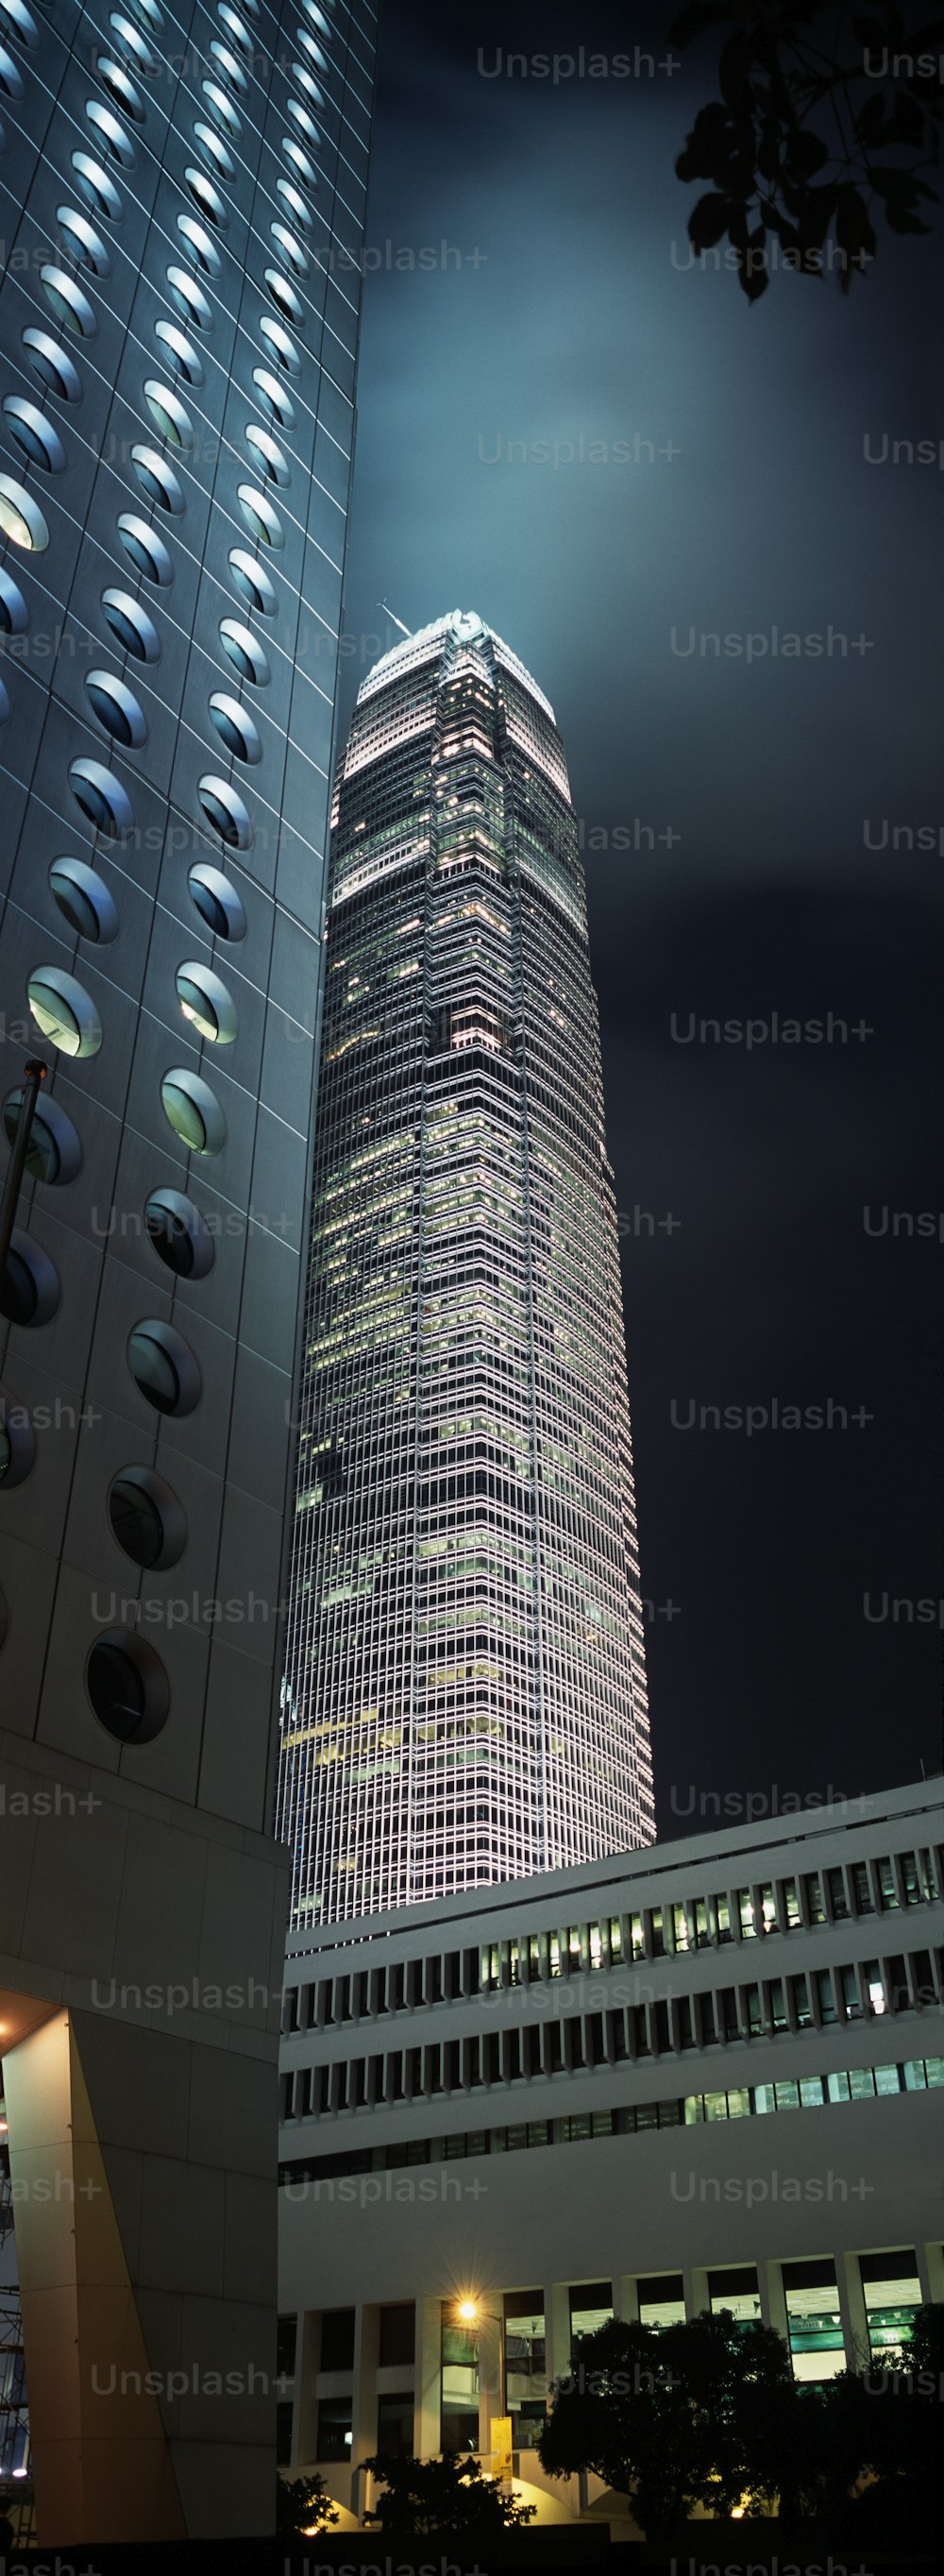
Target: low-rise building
{"type": "Point", "coordinates": [587, 2094]}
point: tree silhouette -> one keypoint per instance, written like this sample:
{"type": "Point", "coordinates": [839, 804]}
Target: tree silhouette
{"type": "Point", "coordinates": [828, 119]}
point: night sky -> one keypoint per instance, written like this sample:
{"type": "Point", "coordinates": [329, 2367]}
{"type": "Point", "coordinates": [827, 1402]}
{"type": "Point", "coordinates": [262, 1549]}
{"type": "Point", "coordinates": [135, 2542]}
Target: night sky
{"type": "Point", "coordinates": [570, 318]}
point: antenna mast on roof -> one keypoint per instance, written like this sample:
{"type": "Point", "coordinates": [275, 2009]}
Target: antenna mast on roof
{"type": "Point", "coordinates": [395, 621]}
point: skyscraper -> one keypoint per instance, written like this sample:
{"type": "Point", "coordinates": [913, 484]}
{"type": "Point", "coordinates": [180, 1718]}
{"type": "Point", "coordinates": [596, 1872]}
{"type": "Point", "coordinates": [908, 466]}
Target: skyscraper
{"type": "Point", "coordinates": [465, 1692]}
{"type": "Point", "coordinates": [182, 196]}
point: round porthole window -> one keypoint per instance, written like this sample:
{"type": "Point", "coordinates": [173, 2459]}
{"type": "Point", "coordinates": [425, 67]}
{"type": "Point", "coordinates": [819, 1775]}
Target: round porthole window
{"type": "Point", "coordinates": [244, 651]}
{"type": "Point", "coordinates": [96, 187]}
{"type": "Point", "coordinates": [17, 1441]}
{"type": "Point", "coordinates": [81, 238]}
{"type": "Point", "coordinates": [127, 1686]}
{"type": "Point", "coordinates": [304, 168]}
{"type": "Point", "coordinates": [179, 1234]}
{"type": "Point", "coordinates": [189, 299]}
{"type": "Point", "coordinates": [133, 47]}
{"type": "Point", "coordinates": [115, 79]}
{"type": "Point", "coordinates": [301, 214]}
{"type": "Point", "coordinates": [179, 352]}
{"type": "Point", "coordinates": [206, 1003]}
{"type": "Point", "coordinates": [66, 300]}
{"type": "Point", "coordinates": [306, 124]}
{"type": "Point", "coordinates": [19, 22]}
{"type": "Point", "coordinates": [163, 1367]}
{"type": "Point", "coordinates": [20, 519]}
{"type": "Point", "coordinates": [274, 398]}
{"type": "Point", "coordinates": [51, 363]}
{"type": "Point", "coordinates": [29, 1290]}
{"type": "Point", "coordinates": [225, 811]}
{"type": "Point", "coordinates": [206, 197]}
{"type": "Point", "coordinates": [284, 295]}
{"type": "Point", "coordinates": [317, 17]}
{"type": "Point", "coordinates": [14, 617]}
{"type": "Point", "coordinates": [64, 1012]}
{"type": "Point", "coordinates": [216, 154]}
{"type": "Point", "coordinates": [146, 1518]}
{"type": "Point", "coordinates": [34, 434]}
{"type": "Point", "coordinates": [252, 582]}
{"type": "Point", "coordinates": [11, 77]}
{"type": "Point", "coordinates": [169, 416]}
{"type": "Point", "coordinates": [53, 1153]}
{"type": "Point", "coordinates": [109, 134]}
{"type": "Point", "coordinates": [261, 520]}
{"type": "Point", "coordinates": [235, 28]}
{"type": "Point", "coordinates": [84, 900]}
{"type": "Point", "coordinates": [309, 87]}
{"type": "Point", "coordinates": [116, 709]}
{"type": "Point", "coordinates": [291, 249]}
{"type": "Point", "coordinates": [157, 479]}
{"type": "Point", "coordinates": [222, 109]}
{"type": "Point", "coordinates": [197, 244]}
{"type": "Point", "coordinates": [193, 1112]}
{"type": "Point", "coordinates": [101, 797]}
{"type": "Point", "coordinates": [267, 455]}
{"type": "Point", "coordinates": [131, 625]}
{"type": "Point", "coordinates": [229, 69]}
{"type": "Point", "coordinates": [282, 348]}
{"type": "Point", "coordinates": [217, 902]}
{"type": "Point", "coordinates": [145, 549]}
{"type": "Point", "coordinates": [235, 727]}
{"type": "Point", "coordinates": [150, 14]}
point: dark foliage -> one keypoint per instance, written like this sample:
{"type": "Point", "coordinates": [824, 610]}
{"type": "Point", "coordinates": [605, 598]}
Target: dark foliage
{"type": "Point", "coordinates": [447, 2495]}
{"type": "Point", "coordinates": [828, 123]}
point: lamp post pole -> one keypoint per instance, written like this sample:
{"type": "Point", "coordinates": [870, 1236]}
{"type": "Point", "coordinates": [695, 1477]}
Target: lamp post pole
{"type": "Point", "coordinates": [470, 2313]}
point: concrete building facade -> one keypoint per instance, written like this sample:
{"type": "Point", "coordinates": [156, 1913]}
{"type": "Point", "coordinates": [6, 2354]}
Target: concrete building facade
{"type": "Point", "coordinates": [182, 204]}
{"type": "Point", "coordinates": [595, 2094]}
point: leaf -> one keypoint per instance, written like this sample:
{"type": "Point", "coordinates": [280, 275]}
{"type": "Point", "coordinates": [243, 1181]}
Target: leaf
{"type": "Point", "coordinates": [768, 153]}
{"type": "Point", "coordinates": [787, 234]}
{"type": "Point", "coordinates": [908, 120]}
{"type": "Point", "coordinates": [871, 124]}
{"type": "Point", "coordinates": [806, 154]}
{"type": "Point", "coordinates": [901, 220]}
{"type": "Point", "coordinates": [708, 221]}
{"type": "Point", "coordinates": [818, 210]}
{"type": "Point", "coordinates": [755, 282]}
{"type": "Point", "coordinates": [854, 231]}
{"type": "Point", "coordinates": [735, 68]}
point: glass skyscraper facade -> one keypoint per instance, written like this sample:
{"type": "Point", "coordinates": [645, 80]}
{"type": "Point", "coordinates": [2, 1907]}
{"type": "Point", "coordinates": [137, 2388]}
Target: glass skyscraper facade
{"type": "Point", "coordinates": [465, 1687]}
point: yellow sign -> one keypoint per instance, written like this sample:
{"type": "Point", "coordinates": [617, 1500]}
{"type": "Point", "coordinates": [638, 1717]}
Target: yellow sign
{"type": "Point", "coordinates": [501, 2430]}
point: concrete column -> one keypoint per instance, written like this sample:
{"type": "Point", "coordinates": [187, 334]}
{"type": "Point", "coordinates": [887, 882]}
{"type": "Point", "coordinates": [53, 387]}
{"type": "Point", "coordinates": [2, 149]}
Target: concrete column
{"type": "Point", "coordinates": [852, 2309]}
{"type": "Point", "coordinates": [428, 2410]}
{"type": "Point", "coordinates": [930, 2262]}
{"type": "Point", "coordinates": [696, 2291]}
{"type": "Point", "coordinates": [98, 2440]}
{"type": "Point", "coordinates": [627, 2298]}
{"type": "Point", "coordinates": [364, 2410]}
{"type": "Point", "coordinates": [306, 2405]}
{"type": "Point", "coordinates": [773, 2299]}
{"type": "Point", "coordinates": [557, 2329]}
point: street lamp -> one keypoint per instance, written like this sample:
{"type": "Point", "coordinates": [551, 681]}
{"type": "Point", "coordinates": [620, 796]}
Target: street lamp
{"type": "Point", "coordinates": [470, 2312]}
